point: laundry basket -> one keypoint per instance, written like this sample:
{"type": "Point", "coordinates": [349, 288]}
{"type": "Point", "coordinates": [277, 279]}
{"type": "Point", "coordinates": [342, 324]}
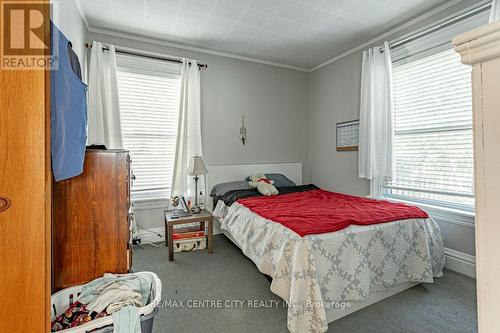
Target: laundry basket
{"type": "Point", "coordinates": [62, 299]}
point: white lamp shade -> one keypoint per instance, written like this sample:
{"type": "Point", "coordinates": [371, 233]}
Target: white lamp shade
{"type": "Point", "coordinates": [197, 166]}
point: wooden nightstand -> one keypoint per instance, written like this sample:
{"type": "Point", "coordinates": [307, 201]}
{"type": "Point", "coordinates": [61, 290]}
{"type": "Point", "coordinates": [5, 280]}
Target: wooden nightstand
{"type": "Point", "coordinates": [204, 218]}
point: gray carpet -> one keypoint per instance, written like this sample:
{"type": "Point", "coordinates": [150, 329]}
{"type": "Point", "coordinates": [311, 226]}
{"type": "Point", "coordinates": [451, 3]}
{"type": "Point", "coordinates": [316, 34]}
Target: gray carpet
{"type": "Point", "coordinates": [448, 305]}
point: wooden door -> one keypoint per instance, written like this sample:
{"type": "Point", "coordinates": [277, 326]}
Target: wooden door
{"type": "Point", "coordinates": [25, 183]}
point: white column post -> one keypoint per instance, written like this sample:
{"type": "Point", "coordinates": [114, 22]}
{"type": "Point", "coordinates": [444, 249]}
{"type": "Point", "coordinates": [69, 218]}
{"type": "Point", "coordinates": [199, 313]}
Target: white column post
{"type": "Point", "coordinates": [481, 49]}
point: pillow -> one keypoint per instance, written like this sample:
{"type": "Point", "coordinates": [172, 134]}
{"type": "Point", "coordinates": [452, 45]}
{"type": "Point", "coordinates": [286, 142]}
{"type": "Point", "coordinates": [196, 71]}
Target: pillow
{"type": "Point", "coordinates": [280, 180]}
{"type": "Point", "coordinates": [222, 188]}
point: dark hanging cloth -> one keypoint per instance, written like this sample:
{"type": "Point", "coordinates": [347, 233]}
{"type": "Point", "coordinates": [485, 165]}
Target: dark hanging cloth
{"type": "Point", "coordinates": [75, 63]}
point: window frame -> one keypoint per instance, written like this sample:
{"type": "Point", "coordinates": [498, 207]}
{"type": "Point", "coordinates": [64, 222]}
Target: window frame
{"type": "Point", "coordinates": [145, 66]}
{"type": "Point", "coordinates": [383, 188]}
{"type": "Point", "coordinates": [432, 39]}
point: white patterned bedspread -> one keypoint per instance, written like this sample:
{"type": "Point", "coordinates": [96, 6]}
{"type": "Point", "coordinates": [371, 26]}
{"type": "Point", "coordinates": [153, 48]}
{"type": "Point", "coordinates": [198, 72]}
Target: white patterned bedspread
{"type": "Point", "coordinates": [314, 272]}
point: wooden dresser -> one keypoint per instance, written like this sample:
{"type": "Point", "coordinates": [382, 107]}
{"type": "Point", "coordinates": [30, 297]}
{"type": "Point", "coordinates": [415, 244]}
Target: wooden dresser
{"type": "Point", "coordinates": [91, 220]}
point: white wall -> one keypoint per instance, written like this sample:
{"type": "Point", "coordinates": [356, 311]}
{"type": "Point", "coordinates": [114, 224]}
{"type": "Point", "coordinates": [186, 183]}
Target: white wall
{"type": "Point", "coordinates": [274, 101]}
{"type": "Point", "coordinates": [68, 19]}
{"type": "Point", "coordinates": [334, 97]}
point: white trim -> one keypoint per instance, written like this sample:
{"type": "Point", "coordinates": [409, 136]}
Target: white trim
{"type": "Point", "coordinates": [441, 214]}
{"type": "Point", "coordinates": [82, 13]}
{"type": "Point", "coordinates": [460, 262]}
{"type": "Point", "coordinates": [449, 216]}
{"type": "Point", "coordinates": [191, 48]}
{"type": "Point", "coordinates": [397, 29]}
{"type": "Point", "coordinates": [479, 45]}
{"type": "Point", "coordinates": [151, 235]}
{"type": "Point", "coordinates": [481, 48]}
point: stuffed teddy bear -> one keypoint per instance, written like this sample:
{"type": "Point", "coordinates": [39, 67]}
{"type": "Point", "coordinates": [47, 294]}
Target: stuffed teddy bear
{"type": "Point", "coordinates": [263, 185]}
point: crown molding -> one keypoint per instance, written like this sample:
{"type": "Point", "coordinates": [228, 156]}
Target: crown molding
{"type": "Point", "coordinates": [82, 13]}
{"type": "Point", "coordinates": [362, 46]}
{"type": "Point", "coordinates": [479, 45]}
{"type": "Point", "coordinates": [389, 33]}
{"type": "Point", "coordinates": [191, 48]}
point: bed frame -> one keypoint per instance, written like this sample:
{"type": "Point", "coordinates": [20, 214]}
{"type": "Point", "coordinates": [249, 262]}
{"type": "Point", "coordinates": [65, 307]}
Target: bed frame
{"type": "Point", "coordinates": [225, 173]}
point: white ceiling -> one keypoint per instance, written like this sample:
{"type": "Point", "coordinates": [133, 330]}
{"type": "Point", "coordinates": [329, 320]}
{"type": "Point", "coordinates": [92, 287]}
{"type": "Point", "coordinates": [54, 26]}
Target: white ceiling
{"type": "Point", "coordinates": [301, 33]}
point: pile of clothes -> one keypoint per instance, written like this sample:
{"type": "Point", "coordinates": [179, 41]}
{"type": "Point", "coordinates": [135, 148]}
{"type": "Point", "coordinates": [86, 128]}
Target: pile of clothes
{"type": "Point", "coordinates": [119, 296]}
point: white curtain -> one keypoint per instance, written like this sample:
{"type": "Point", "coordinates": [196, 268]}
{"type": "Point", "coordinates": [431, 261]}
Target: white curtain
{"type": "Point", "coordinates": [104, 126]}
{"type": "Point", "coordinates": [495, 11]}
{"type": "Point", "coordinates": [188, 130]}
{"type": "Point", "coordinates": [375, 124]}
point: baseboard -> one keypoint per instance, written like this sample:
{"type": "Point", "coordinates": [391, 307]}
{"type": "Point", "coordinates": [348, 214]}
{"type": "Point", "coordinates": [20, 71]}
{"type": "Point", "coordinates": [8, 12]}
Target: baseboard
{"type": "Point", "coordinates": [460, 262]}
{"type": "Point", "coordinates": [152, 235]}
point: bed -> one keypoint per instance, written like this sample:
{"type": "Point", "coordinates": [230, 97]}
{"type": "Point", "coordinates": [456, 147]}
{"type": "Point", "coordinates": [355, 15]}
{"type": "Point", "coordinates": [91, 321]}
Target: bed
{"type": "Point", "coordinates": [325, 276]}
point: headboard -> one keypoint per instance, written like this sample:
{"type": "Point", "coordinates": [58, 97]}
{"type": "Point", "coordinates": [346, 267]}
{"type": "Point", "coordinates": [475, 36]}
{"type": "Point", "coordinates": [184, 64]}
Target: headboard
{"type": "Point", "coordinates": [225, 173]}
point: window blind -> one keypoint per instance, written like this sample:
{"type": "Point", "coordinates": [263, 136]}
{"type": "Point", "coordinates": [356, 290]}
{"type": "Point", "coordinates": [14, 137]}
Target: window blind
{"type": "Point", "coordinates": [439, 40]}
{"type": "Point", "coordinates": [433, 148]}
{"type": "Point", "coordinates": [149, 106]}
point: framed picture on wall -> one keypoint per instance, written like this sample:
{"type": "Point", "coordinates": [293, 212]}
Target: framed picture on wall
{"type": "Point", "coordinates": [348, 136]}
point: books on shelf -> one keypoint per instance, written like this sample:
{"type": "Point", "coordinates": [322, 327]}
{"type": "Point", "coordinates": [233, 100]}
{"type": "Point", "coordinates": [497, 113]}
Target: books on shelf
{"type": "Point", "coordinates": [188, 235]}
{"type": "Point", "coordinates": [189, 238]}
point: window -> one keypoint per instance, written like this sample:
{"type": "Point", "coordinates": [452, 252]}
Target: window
{"type": "Point", "coordinates": [433, 151]}
{"type": "Point", "coordinates": [149, 103]}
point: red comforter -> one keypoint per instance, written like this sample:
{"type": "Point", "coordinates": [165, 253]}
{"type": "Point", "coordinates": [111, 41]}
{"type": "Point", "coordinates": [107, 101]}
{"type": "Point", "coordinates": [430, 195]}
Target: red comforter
{"type": "Point", "coordinates": [319, 211]}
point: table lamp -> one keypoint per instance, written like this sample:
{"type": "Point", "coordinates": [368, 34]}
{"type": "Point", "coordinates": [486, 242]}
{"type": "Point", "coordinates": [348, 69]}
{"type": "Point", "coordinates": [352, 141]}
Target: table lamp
{"type": "Point", "coordinates": [196, 168]}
